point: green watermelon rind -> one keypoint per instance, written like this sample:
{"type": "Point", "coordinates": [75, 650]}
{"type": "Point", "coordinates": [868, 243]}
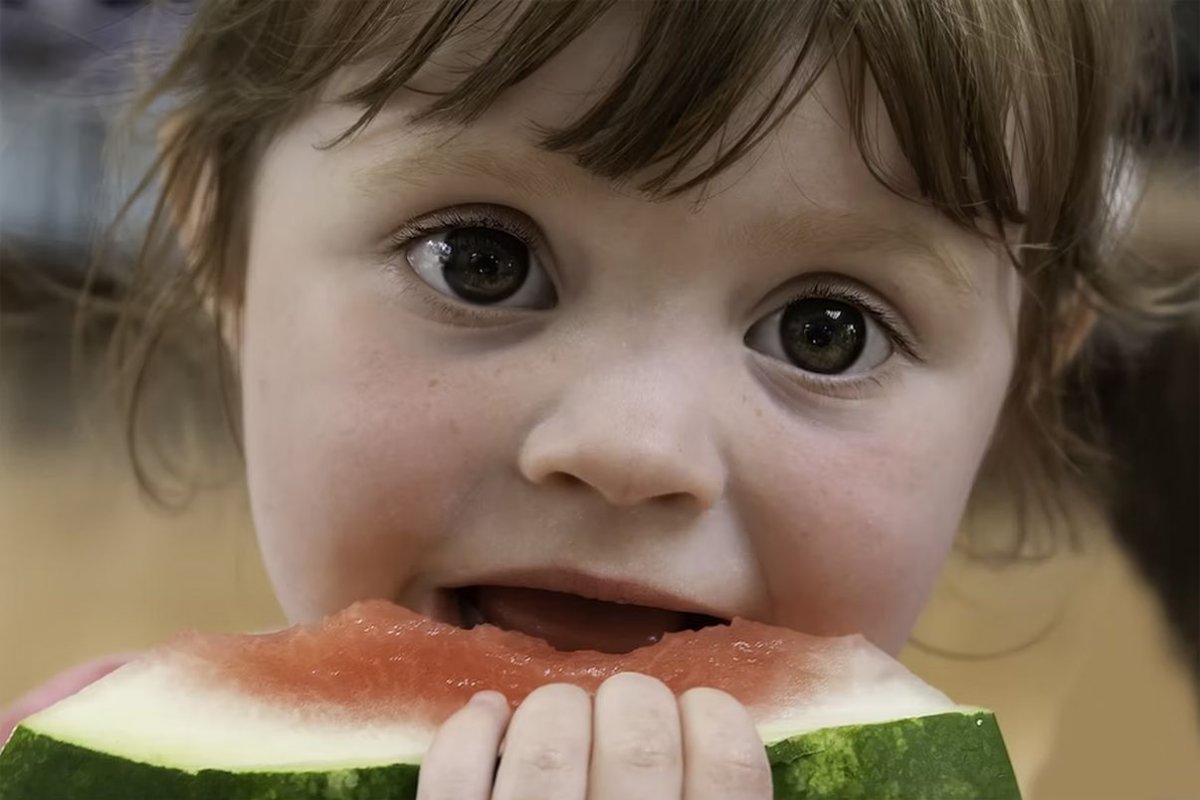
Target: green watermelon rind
{"type": "Point", "coordinates": [38, 767]}
{"type": "Point", "coordinates": [949, 756]}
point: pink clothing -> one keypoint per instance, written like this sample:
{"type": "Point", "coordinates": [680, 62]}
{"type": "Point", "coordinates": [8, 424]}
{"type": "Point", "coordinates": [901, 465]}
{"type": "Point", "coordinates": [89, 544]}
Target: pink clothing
{"type": "Point", "coordinates": [63, 685]}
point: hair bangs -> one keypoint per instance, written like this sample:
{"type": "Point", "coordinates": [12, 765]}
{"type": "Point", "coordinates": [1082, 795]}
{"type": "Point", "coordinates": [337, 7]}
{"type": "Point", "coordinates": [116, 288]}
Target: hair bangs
{"type": "Point", "coordinates": [967, 87]}
{"type": "Point", "coordinates": [693, 66]}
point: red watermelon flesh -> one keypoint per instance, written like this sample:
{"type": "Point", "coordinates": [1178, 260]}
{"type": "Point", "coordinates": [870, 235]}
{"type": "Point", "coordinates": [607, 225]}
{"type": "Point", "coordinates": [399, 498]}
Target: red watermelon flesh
{"type": "Point", "coordinates": [376, 661]}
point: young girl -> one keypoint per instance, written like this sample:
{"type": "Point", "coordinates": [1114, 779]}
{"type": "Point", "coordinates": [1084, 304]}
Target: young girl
{"type": "Point", "coordinates": [598, 320]}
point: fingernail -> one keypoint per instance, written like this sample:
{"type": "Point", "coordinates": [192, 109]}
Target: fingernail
{"type": "Point", "coordinates": [489, 698]}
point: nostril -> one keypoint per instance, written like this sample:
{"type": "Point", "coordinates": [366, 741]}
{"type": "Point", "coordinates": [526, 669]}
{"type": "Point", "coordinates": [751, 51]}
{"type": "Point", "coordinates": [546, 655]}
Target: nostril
{"type": "Point", "coordinates": [677, 498]}
{"type": "Point", "coordinates": [686, 502]}
{"type": "Point", "coordinates": [624, 495]}
{"type": "Point", "coordinates": [567, 480]}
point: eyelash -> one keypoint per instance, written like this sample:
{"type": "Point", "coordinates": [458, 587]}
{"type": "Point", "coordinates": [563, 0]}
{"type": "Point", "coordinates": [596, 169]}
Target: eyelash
{"type": "Point", "coordinates": [481, 216]}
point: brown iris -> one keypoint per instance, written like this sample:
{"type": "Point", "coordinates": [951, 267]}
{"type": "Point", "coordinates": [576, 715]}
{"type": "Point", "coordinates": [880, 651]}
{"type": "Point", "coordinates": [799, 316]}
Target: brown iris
{"type": "Point", "coordinates": [483, 265]}
{"type": "Point", "coordinates": [822, 335]}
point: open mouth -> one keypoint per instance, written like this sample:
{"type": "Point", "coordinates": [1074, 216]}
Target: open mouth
{"type": "Point", "coordinates": [572, 622]}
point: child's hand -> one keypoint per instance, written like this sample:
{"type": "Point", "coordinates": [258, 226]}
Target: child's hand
{"type": "Point", "coordinates": [636, 742]}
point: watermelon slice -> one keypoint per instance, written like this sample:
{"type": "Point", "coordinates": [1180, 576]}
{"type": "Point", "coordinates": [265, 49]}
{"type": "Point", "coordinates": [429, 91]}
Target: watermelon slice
{"type": "Point", "coordinates": [346, 710]}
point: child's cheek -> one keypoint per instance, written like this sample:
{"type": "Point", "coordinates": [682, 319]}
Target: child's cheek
{"type": "Point", "coordinates": [852, 526]}
{"type": "Point", "coordinates": [356, 447]}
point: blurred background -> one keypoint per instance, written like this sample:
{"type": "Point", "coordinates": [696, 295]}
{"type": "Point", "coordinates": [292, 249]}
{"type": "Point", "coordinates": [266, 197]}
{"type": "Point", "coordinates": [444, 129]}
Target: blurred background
{"type": "Point", "coordinates": [1088, 654]}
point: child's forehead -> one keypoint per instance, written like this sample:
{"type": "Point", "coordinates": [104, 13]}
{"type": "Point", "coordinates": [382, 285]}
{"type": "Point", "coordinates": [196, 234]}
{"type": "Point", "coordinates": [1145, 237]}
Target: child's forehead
{"type": "Point", "coordinates": [673, 97]}
{"type": "Point", "coordinates": [651, 98]}
{"type": "Point", "coordinates": [807, 167]}
{"type": "Point", "coordinates": [811, 146]}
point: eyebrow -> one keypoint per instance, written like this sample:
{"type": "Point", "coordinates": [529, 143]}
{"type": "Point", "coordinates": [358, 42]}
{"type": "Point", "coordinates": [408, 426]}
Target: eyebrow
{"type": "Point", "coordinates": [437, 159]}
{"type": "Point", "coordinates": [854, 232]}
{"type": "Point", "coordinates": [554, 176]}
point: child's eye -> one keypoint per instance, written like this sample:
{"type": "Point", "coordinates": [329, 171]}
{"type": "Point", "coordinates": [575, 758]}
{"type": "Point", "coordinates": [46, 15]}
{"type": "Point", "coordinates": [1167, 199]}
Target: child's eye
{"type": "Point", "coordinates": [823, 334]}
{"type": "Point", "coordinates": [480, 260]}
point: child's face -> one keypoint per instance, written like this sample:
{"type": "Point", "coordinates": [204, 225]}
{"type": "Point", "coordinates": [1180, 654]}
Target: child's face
{"type": "Point", "coordinates": [651, 421]}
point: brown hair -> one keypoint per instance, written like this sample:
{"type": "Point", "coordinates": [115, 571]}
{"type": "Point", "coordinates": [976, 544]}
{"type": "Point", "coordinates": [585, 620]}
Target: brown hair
{"type": "Point", "coordinates": [978, 92]}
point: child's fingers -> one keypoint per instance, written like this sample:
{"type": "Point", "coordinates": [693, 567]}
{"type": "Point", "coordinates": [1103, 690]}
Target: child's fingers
{"type": "Point", "coordinates": [547, 746]}
{"type": "Point", "coordinates": [460, 762]}
{"type": "Point", "coordinates": [723, 754]}
{"type": "Point", "coordinates": [636, 749]}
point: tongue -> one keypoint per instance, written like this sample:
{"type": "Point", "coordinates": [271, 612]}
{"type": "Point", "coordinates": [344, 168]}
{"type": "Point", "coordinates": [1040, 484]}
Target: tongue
{"type": "Point", "coordinates": [571, 622]}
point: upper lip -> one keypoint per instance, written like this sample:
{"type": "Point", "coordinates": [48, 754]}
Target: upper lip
{"type": "Point", "coordinates": [597, 587]}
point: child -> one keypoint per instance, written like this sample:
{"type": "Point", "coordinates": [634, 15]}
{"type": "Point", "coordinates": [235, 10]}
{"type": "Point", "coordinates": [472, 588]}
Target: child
{"type": "Point", "coordinates": [599, 320]}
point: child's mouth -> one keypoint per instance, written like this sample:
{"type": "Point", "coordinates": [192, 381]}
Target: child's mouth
{"type": "Point", "coordinates": [571, 622]}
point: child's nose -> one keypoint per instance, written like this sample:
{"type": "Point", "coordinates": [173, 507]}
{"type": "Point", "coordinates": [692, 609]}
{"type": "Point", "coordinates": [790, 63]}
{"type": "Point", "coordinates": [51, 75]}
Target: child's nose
{"type": "Point", "coordinates": [630, 435]}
